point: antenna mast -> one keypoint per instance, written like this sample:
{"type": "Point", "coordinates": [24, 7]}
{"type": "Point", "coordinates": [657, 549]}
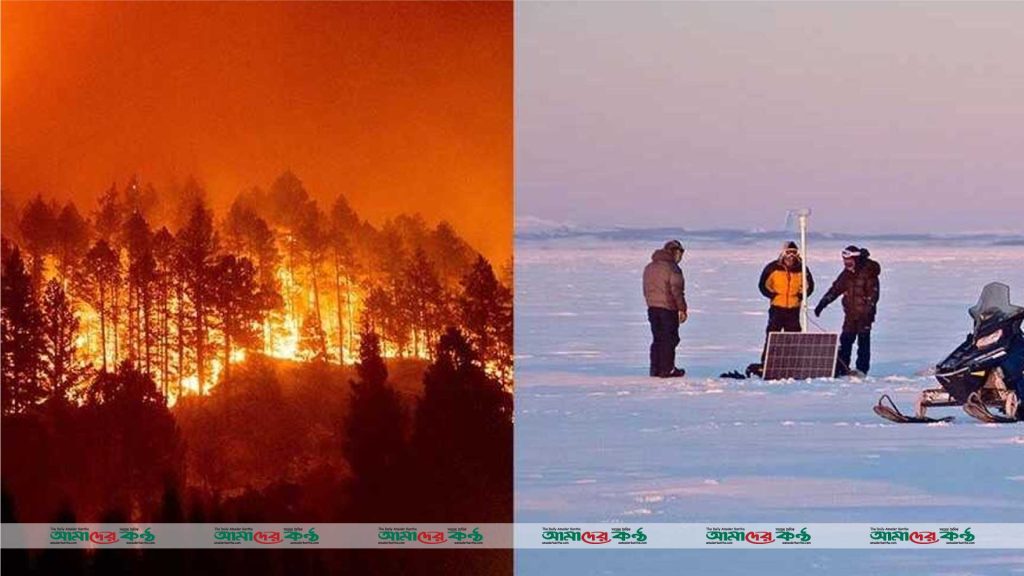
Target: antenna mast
{"type": "Point", "coordinates": [802, 215]}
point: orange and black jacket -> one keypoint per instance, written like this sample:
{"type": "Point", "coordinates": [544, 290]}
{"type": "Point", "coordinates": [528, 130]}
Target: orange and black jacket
{"type": "Point", "coordinates": [783, 286]}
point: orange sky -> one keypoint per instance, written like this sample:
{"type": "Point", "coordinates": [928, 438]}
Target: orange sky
{"type": "Point", "coordinates": [403, 107]}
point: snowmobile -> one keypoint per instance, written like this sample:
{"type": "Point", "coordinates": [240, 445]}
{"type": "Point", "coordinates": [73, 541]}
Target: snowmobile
{"type": "Point", "coordinates": [986, 371]}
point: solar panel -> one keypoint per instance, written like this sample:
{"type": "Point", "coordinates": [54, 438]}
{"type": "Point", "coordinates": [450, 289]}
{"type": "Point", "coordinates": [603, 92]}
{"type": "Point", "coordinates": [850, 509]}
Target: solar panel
{"type": "Point", "coordinates": [800, 355]}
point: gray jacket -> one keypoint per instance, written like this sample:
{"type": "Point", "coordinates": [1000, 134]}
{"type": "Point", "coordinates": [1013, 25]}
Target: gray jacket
{"type": "Point", "coordinates": [664, 286]}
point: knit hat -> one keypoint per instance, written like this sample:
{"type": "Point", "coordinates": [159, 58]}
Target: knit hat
{"type": "Point", "coordinates": [790, 247]}
{"type": "Point", "coordinates": [674, 245]}
{"type": "Point", "coordinates": [851, 251]}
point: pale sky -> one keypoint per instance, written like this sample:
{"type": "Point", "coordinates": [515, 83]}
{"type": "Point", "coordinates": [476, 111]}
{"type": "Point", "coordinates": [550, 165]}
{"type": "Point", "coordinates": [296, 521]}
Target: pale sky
{"type": "Point", "coordinates": [882, 118]}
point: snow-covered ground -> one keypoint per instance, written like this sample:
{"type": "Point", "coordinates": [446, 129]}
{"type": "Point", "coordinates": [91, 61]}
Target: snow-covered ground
{"type": "Point", "coordinates": [598, 441]}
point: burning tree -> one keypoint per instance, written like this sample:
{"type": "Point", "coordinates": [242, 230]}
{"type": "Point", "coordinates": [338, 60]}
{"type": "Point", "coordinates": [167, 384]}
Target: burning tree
{"type": "Point", "coordinates": [182, 296]}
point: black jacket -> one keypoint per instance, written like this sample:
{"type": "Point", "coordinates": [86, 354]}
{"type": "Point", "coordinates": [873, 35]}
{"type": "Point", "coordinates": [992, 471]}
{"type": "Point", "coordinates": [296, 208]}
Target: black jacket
{"type": "Point", "coordinates": [860, 291]}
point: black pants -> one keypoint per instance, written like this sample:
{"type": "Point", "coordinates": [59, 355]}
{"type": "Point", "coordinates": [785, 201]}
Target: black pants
{"type": "Point", "coordinates": [846, 340]}
{"type": "Point", "coordinates": [780, 320]}
{"type": "Point", "coordinates": [665, 329]}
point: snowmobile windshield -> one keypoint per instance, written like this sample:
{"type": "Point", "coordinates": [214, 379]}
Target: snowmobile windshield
{"type": "Point", "coordinates": [994, 303]}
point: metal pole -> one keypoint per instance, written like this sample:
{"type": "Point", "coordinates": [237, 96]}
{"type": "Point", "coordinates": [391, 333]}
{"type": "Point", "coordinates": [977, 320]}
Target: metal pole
{"type": "Point", "coordinates": [803, 272]}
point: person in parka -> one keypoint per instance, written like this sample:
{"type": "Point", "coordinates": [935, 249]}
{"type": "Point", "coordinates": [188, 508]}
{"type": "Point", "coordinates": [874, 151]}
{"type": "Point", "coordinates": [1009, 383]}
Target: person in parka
{"type": "Point", "coordinates": [859, 286]}
{"type": "Point", "coordinates": [665, 294]}
{"type": "Point", "coordinates": [782, 283]}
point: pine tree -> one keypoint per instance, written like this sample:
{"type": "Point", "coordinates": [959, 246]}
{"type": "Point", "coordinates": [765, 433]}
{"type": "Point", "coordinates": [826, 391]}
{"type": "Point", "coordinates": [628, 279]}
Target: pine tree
{"type": "Point", "coordinates": [97, 283]}
{"type": "Point", "coordinates": [187, 198]}
{"type": "Point", "coordinates": [60, 327]}
{"type": "Point", "coordinates": [197, 246]}
{"type": "Point", "coordinates": [345, 226]}
{"type": "Point", "coordinates": [288, 199]}
{"type": "Point", "coordinates": [163, 295]}
{"type": "Point", "coordinates": [450, 253]}
{"type": "Point", "coordinates": [464, 431]}
{"type": "Point", "coordinates": [21, 325]}
{"type": "Point", "coordinates": [71, 241]}
{"type": "Point", "coordinates": [378, 308]}
{"type": "Point", "coordinates": [138, 241]}
{"type": "Point", "coordinates": [312, 241]}
{"type": "Point", "coordinates": [127, 405]}
{"type": "Point", "coordinates": [424, 299]}
{"type": "Point", "coordinates": [250, 235]}
{"type": "Point", "coordinates": [38, 226]}
{"type": "Point", "coordinates": [375, 433]}
{"type": "Point", "coordinates": [238, 304]}
{"type": "Point", "coordinates": [109, 215]}
{"type": "Point", "coordinates": [486, 310]}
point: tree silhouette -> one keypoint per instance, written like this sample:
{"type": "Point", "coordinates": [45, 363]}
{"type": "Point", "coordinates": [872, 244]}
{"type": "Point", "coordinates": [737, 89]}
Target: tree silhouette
{"type": "Point", "coordinates": [463, 437]}
{"type": "Point", "coordinates": [137, 238]}
{"type": "Point", "coordinates": [345, 267]}
{"type": "Point", "coordinates": [165, 292]}
{"type": "Point", "coordinates": [109, 215]}
{"type": "Point", "coordinates": [187, 198]}
{"type": "Point", "coordinates": [197, 245]}
{"type": "Point", "coordinates": [38, 226]}
{"type": "Point", "coordinates": [375, 440]}
{"type": "Point", "coordinates": [22, 337]}
{"type": "Point", "coordinates": [71, 241]}
{"type": "Point", "coordinates": [288, 199]}
{"type": "Point", "coordinates": [486, 310]}
{"type": "Point", "coordinates": [61, 368]}
{"type": "Point", "coordinates": [238, 304]}
{"type": "Point", "coordinates": [97, 283]}
{"type": "Point", "coordinates": [249, 234]}
{"type": "Point", "coordinates": [450, 253]}
{"type": "Point", "coordinates": [344, 229]}
{"type": "Point", "coordinates": [379, 315]}
{"type": "Point", "coordinates": [312, 241]}
{"type": "Point", "coordinates": [423, 298]}
{"type": "Point", "coordinates": [131, 472]}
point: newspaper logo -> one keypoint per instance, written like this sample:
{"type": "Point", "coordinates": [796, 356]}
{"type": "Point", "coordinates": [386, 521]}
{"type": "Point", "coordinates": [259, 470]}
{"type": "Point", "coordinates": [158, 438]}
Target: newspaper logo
{"type": "Point", "coordinates": [232, 535]}
{"type": "Point", "coordinates": [464, 536]}
{"type": "Point", "coordinates": [396, 535]}
{"type": "Point", "coordinates": [562, 535]}
{"type": "Point", "coordinates": [136, 536]}
{"type": "Point", "coordinates": [790, 535]}
{"type": "Point", "coordinates": [724, 535]}
{"type": "Point", "coordinates": [734, 535]}
{"type": "Point", "coordinates": [628, 536]}
{"type": "Point", "coordinates": [63, 535]}
{"type": "Point", "coordinates": [295, 536]}
{"type": "Point", "coordinates": [956, 536]}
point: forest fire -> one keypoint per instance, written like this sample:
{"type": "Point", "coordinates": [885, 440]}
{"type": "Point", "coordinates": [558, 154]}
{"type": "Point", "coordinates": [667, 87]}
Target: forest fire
{"type": "Point", "coordinates": [180, 331]}
{"type": "Point", "coordinates": [245, 346]}
{"type": "Point", "coordinates": [183, 295]}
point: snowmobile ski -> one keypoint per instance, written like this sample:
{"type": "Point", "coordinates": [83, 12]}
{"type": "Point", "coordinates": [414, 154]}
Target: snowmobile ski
{"type": "Point", "coordinates": [893, 414]}
{"type": "Point", "coordinates": [976, 408]}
